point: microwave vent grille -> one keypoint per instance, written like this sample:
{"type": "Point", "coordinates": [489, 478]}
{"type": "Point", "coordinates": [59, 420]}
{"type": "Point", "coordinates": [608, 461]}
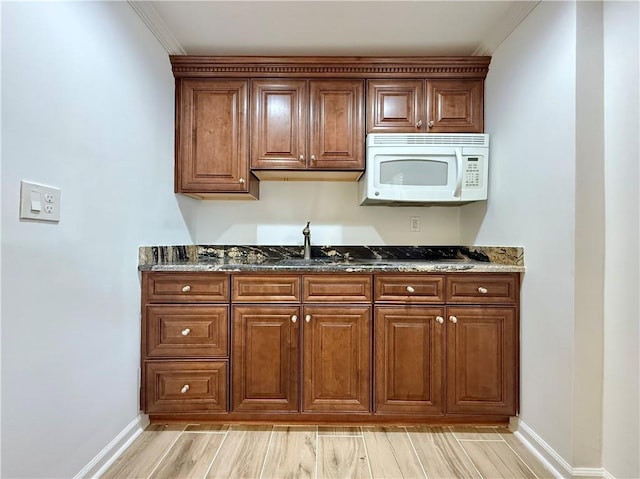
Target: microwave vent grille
{"type": "Point", "coordinates": [435, 139]}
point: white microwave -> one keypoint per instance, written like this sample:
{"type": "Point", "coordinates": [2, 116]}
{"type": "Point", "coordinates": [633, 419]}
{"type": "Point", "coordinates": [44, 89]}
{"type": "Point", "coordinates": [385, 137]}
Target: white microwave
{"type": "Point", "coordinates": [425, 169]}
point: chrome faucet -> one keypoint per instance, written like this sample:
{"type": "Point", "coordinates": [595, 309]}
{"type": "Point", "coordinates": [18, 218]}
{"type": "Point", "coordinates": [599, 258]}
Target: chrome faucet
{"type": "Point", "coordinates": [307, 241]}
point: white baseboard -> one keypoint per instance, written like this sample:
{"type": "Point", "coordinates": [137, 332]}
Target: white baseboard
{"type": "Point", "coordinates": [99, 464]}
{"type": "Point", "coordinates": [553, 461]}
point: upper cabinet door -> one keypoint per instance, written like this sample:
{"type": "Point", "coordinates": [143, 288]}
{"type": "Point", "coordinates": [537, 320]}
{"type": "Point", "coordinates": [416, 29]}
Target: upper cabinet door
{"type": "Point", "coordinates": [279, 123]}
{"type": "Point", "coordinates": [336, 122]}
{"type": "Point", "coordinates": [212, 153]}
{"type": "Point", "coordinates": [395, 106]}
{"type": "Point", "coordinates": [455, 106]}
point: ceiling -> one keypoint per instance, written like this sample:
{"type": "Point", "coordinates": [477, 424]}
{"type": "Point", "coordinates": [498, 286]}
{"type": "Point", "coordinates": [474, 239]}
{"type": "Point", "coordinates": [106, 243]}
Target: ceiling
{"type": "Point", "coordinates": [327, 27]}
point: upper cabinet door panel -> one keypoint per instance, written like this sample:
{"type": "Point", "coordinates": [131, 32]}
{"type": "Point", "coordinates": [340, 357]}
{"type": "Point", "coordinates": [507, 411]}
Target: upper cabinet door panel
{"type": "Point", "coordinates": [278, 123]}
{"type": "Point", "coordinates": [395, 106]}
{"type": "Point", "coordinates": [336, 124]}
{"type": "Point", "coordinates": [212, 136]}
{"type": "Point", "coordinates": [455, 106]}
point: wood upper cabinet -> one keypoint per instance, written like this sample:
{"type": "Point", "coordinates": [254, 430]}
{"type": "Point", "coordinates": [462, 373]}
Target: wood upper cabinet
{"type": "Point", "coordinates": [408, 350]}
{"type": "Point", "coordinates": [425, 106]}
{"type": "Point", "coordinates": [336, 358]}
{"type": "Point", "coordinates": [265, 358]}
{"type": "Point", "coordinates": [307, 124]}
{"type": "Point", "coordinates": [212, 150]}
{"type": "Point", "coordinates": [482, 360]}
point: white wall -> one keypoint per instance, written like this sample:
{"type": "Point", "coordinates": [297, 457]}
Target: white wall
{"type": "Point", "coordinates": [530, 115]}
{"type": "Point", "coordinates": [621, 452]}
{"type": "Point", "coordinates": [332, 207]}
{"type": "Point", "coordinates": [87, 105]}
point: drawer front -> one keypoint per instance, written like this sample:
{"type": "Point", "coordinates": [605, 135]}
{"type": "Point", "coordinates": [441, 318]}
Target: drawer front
{"type": "Point", "coordinates": [482, 288]}
{"type": "Point", "coordinates": [188, 386]}
{"type": "Point", "coordinates": [409, 288]}
{"type": "Point", "coordinates": [186, 331]}
{"type": "Point", "coordinates": [333, 288]}
{"type": "Point", "coordinates": [266, 288]}
{"type": "Point", "coordinates": [187, 287]}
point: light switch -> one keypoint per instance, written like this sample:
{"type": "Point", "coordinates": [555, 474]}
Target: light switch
{"type": "Point", "coordinates": [35, 202]}
{"type": "Point", "coordinates": [39, 202]}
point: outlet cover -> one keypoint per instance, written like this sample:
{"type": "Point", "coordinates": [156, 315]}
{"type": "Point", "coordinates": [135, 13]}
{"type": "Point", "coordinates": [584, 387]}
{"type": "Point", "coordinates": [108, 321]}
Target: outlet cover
{"type": "Point", "coordinates": [39, 202]}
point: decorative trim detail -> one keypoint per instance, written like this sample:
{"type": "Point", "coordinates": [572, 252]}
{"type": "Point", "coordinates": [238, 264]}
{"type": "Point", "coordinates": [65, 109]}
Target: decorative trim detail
{"type": "Point", "coordinates": [112, 451]}
{"type": "Point", "coordinates": [359, 67]}
{"type": "Point", "coordinates": [154, 22]}
{"type": "Point", "coordinates": [559, 467]}
{"type": "Point", "coordinates": [502, 29]}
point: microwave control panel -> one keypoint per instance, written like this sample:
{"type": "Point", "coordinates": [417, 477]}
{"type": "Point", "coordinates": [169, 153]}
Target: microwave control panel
{"type": "Point", "coordinates": [472, 172]}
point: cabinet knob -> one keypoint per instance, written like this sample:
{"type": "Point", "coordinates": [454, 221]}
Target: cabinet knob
{"type": "Point", "coordinates": [294, 319]}
{"type": "Point", "coordinates": [307, 318]}
{"type": "Point", "coordinates": [241, 181]}
{"type": "Point", "coordinates": [411, 289]}
{"type": "Point", "coordinates": [482, 290]}
{"type": "Point", "coordinates": [302, 158]}
{"type": "Point", "coordinates": [184, 389]}
{"type": "Point", "coordinates": [430, 124]}
{"type": "Point", "coordinates": [313, 158]}
{"type": "Point", "coordinates": [186, 332]}
{"type": "Point", "coordinates": [186, 288]}
{"type": "Point", "coordinates": [453, 319]}
{"type": "Point", "coordinates": [419, 124]}
{"type": "Point", "coordinates": [440, 319]}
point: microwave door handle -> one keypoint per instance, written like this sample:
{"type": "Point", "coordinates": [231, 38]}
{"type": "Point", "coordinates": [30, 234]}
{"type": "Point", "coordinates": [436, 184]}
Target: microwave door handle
{"type": "Point", "coordinates": [458, 153]}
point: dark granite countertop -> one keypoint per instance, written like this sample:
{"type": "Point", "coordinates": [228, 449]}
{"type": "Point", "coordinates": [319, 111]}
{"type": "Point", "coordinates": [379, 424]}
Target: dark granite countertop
{"type": "Point", "coordinates": [364, 259]}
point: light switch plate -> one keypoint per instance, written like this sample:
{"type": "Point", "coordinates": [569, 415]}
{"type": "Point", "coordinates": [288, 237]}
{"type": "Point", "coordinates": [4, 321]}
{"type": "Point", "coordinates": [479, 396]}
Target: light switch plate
{"type": "Point", "coordinates": [39, 202]}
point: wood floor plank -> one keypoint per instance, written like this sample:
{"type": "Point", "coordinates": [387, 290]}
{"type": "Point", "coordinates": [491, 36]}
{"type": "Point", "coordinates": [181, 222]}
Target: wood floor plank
{"type": "Point", "coordinates": [479, 433]}
{"type": "Point", "coordinates": [390, 453]}
{"type": "Point", "coordinates": [496, 460]}
{"type": "Point", "coordinates": [292, 453]}
{"type": "Point", "coordinates": [342, 457]}
{"type": "Point", "coordinates": [207, 428]}
{"type": "Point", "coordinates": [527, 456]}
{"type": "Point", "coordinates": [189, 457]}
{"type": "Point", "coordinates": [144, 453]}
{"type": "Point", "coordinates": [440, 453]}
{"type": "Point", "coordinates": [339, 431]}
{"type": "Point", "coordinates": [242, 453]}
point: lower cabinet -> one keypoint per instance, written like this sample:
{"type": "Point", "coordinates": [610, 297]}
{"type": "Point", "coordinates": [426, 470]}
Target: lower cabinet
{"type": "Point", "coordinates": [345, 347]}
{"type": "Point", "coordinates": [408, 359]}
{"type": "Point", "coordinates": [481, 360]}
{"type": "Point", "coordinates": [265, 358]}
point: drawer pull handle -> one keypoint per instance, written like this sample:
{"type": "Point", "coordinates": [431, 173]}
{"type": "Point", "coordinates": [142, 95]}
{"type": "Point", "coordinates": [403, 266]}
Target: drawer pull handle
{"type": "Point", "coordinates": [482, 290]}
{"type": "Point", "coordinates": [411, 289]}
{"type": "Point", "coordinates": [184, 389]}
{"type": "Point", "coordinates": [186, 288]}
{"type": "Point", "coordinates": [440, 319]}
{"type": "Point", "coordinates": [453, 319]}
{"type": "Point", "coordinates": [294, 319]}
{"type": "Point", "coordinates": [302, 158]}
{"type": "Point", "coordinates": [307, 318]}
{"type": "Point", "coordinates": [186, 331]}
{"type": "Point", "coordinates": [419, 124]}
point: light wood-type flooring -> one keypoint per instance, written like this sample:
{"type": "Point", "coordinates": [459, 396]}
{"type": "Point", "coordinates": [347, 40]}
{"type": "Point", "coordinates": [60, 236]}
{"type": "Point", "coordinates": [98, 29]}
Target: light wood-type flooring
{"type": "Point", "coordinates": [217, 451]}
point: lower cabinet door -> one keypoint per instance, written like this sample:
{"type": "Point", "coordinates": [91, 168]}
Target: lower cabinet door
{"type": "Point", "coordinates": [185, 386]}
{"type": "Point", "coordinates": [336, 358]}
{"type": "Point", "coordinates": [408, 359]}
{"type": "Point", "coordinates": [265, 358]}
{"type": "Point", "coordinates": [481, 360]}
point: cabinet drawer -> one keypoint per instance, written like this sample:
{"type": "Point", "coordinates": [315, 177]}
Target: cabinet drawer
{"type": "Point", "coordinates": [265, 288]}
{"type": "Point", "coordinates": [186, 331]}
{"type": "Point", "coordinates": [337, 288]}
{"type": "Point", "coordinates": [187, 287]}
{"type": "Point", "coordinates": [411, 288]}
{"type": "Point", "coordinates": [482, 288]}
{"type": "Point", "coordinates": [187, 386]}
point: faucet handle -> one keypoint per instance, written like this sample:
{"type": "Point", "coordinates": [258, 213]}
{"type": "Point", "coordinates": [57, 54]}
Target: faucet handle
{"type": "Point", "coordinates": [306, 229]}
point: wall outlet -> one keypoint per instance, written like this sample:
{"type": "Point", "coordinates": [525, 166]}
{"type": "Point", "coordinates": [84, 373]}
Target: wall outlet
{"type": "Point", "coordinates": [414, 223]}
{"type": "Point", "coordinates": [39, 202]}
